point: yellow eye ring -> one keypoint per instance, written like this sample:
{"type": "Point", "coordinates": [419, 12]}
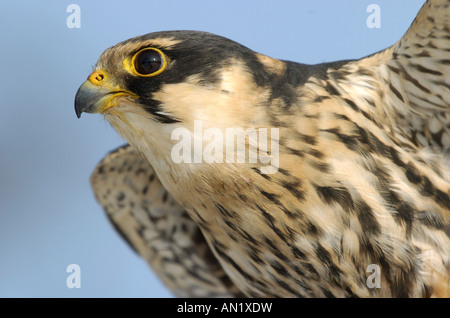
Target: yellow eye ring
{"type": "Point", "coordinates": [148, 62]}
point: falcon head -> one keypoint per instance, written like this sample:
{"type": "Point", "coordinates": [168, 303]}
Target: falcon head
{"type": "Point", "coordinates": [176, 77]}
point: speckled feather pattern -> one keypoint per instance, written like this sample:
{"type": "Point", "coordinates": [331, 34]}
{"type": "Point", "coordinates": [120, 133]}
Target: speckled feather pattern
{"type": "Point", "coordinates": [157, 227]}
{"type": "Point", "coordinates": [363, 172]}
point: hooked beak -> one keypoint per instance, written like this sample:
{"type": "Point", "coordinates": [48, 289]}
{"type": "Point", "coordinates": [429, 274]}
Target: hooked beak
{"type": "Point", "coordinates": [96, 94]}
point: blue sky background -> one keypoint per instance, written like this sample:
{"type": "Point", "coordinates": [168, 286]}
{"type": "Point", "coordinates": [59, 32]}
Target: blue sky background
{"type": "Point", "coordinates": [48, 215]}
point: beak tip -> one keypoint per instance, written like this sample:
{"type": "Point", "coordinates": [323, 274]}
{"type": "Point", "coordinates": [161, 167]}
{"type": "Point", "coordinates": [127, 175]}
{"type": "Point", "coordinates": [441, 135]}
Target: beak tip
{"type": "Point", "coordinates": [79, 103]}
{"type": "Point", "coordinates": [78, 112]}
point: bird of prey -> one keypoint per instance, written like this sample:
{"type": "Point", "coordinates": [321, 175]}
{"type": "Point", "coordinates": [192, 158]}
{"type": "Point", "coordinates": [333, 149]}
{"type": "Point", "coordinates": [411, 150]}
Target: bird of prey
{"type": "Point", "coordinates": [356, 176]}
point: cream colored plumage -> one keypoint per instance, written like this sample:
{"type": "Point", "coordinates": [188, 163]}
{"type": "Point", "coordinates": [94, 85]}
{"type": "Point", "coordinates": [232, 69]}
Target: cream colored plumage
{"type": "Point", "coordinates": [363, 175]}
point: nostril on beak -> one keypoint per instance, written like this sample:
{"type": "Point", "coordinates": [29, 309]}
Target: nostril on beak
{"type": "Point", "coordinates": [97, 77]}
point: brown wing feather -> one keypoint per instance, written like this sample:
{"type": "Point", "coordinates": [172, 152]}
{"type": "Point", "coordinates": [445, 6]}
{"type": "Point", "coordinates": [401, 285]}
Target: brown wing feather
{"type": "Point", "coordinates": [157, 227]}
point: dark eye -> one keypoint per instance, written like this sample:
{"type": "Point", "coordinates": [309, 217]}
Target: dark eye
{"type": "Point", "coordinates": [149, 62]}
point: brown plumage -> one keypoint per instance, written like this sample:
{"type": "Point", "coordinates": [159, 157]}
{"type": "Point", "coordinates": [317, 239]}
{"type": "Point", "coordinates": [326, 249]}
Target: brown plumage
{"type": "Point", "coordinates": [360, 177]}
{"type": "Point", "coordinates": [157, 227]}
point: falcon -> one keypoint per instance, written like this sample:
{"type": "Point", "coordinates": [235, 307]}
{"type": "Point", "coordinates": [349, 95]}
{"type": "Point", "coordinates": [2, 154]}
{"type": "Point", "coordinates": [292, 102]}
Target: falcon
{"type": "Point", "coordinates": [352, 200]}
